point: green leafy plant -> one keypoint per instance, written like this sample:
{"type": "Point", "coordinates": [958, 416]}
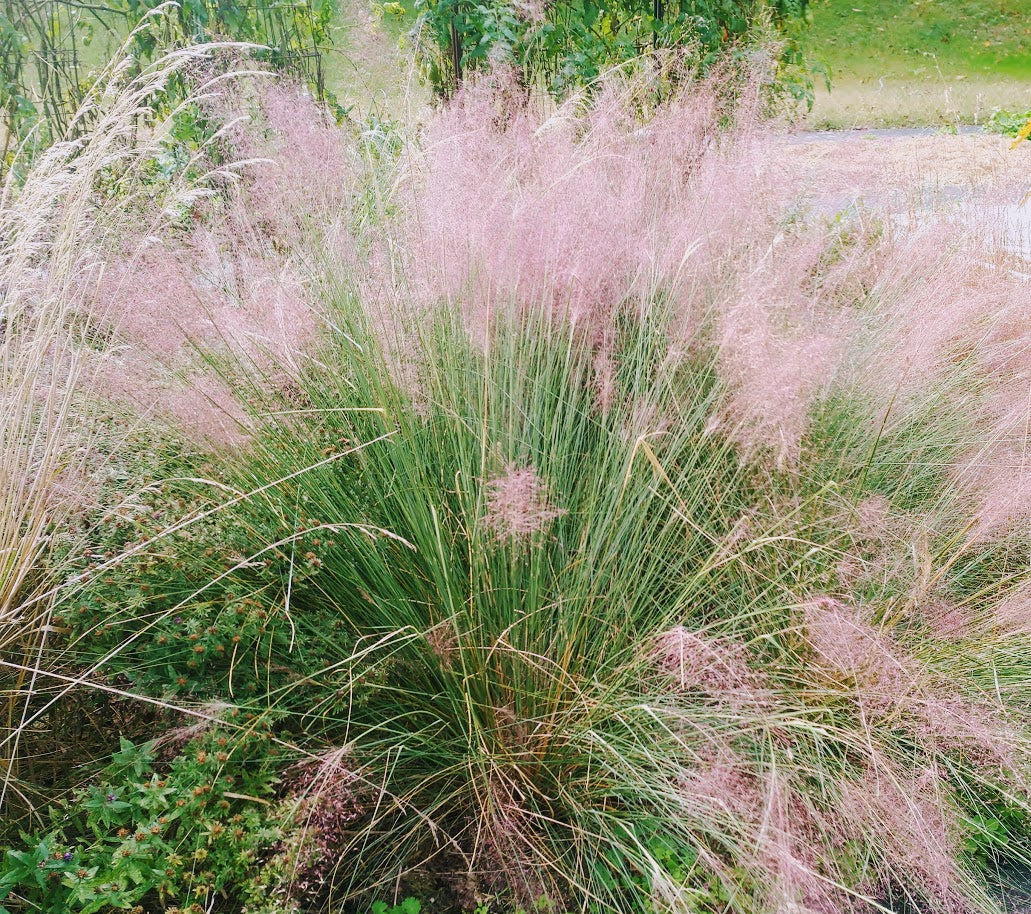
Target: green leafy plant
{"type": "Point", "coordinates": [1009, 123]}
{"type": "Point", "coordinates": [566, 45]}
{"type": "Point", "coordinates": [407, 906]}
{"type": "Point", "coordinates": [184, 831]}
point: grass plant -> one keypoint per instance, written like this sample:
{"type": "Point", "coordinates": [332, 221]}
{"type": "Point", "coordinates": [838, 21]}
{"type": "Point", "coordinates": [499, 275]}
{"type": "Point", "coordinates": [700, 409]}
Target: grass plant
{"type": "Point", "coordinates": [57, 216]}
{"type": "Point", "coordinates": [598, 539]}
{"type": "Point", "coordinates": [928, 63]}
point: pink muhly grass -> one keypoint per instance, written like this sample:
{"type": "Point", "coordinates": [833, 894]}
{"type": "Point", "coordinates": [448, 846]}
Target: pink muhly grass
{"type": "Point", "coordinates": [910, 817]}
{"type": "Point", "coordinates": [205, 293]}
{"type": "Point", "coordinates": [849, 647]}
{"type": "Point", "coordinates": [326, 799]}
{"type": "Point", "coordinates": [1013, 614]}
{"type": "Point", "coordinates": [301, 170]}
{"type": "Point", "coordinates": [570, 212]}
{"type": "Point", "coordinates": [587, 213]}
{"type": "Point", "coordinates": [151, 300]}
{"type": "Point", "coordinates": [790, 849]}
{"type": "Point", "coordinates": [722, 792]}
{"type": "Point", "coordinates": [271, 321]}
{"type": "Point", "coordinates": [997, 480]}
{"type": "Point", "coordinates": [784, 329]}
{"type": "Point", "coordinates": [945, 619]}
{"type": "Point", "coordinates": [200, 404]}
{"type": "Point", "coordinates": [780, 840]}
{"type": "Point", "coordinates": [981, 730]}
{"type": "Point", "coordinates": [206, 407]}
{"type": "Point", "coordinates": [717, 667]}
{"type": "Point", "coordinates": [774, 376]}
{"type": "Point", "coordinates": [930, 268]}
{"type": "Point", "coordinates": [997, 474]}
{"type": "Point", "coordinates": [881, 543]}
{"type": "Point", "coordinates": [605, 370]}
{"type": "Point", "coordinates": [518, 504]}
{"type": "Point", "coordinates": [723, 781]}
{"type": "Point", "coordinates": [873, 516]}
{"type": "Point", "coordinates": [886, 680]}
{"type": "Point", "coordinates": [509, 854]}
{"type": "Point", "coordinates": [228, 287]}
{"type": "Point", "coordinates": [972, 359]}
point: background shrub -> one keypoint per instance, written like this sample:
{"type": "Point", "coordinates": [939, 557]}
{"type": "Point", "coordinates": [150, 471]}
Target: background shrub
{"type": "Point", "coordinates": [53, 51]}
{"type": "Point", "coordinates": [566, 45]}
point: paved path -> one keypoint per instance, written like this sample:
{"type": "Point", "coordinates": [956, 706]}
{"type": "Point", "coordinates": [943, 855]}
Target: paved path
{"type": "Point", "coordinates": [878, 133]}
{"type": "Point", "coordinates": [913, 174]}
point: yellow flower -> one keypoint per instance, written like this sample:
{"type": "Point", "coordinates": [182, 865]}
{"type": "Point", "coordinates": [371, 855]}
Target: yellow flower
{"type": "Point", "coordinates": [1022, 135]}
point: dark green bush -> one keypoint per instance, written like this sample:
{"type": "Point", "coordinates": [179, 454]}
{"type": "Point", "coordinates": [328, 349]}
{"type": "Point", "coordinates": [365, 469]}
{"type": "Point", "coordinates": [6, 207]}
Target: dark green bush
{"type": "Point", "coordinates": [563, 45]}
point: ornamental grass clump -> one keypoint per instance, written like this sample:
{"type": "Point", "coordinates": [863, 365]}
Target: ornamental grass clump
{"type": "Point", "coordinates": [591, 557]}
{"type": "Point", "coordinates": [626, 703]}
{"type": "Point", "coordinates": [670, 602]}
{"type": "Point", "coordinates": [59, 211]}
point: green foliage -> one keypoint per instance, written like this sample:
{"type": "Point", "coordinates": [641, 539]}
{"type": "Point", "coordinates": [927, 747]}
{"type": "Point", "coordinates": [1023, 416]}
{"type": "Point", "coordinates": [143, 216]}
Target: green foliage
{"type": "Point", "coordinates": [998, 833]}
{"type": "Point", "coordinates": [180, 832]}
{"type": "Point", "coordinates": [1010, 123]}
{"type": "Point", "coordinates": [566, 45]}
{"type": "Point", "coordinates": [214, 603]}
{"type": "Point", "coordinates": [408, 906]}
{"type": "Point", "coordinates": [677, 862]}
{"type": "Point", "coordinates": [47, 65]}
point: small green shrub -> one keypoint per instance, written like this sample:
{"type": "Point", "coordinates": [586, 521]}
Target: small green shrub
{"type": "Point", "coordinates": [47, 69]}
{"type": "Point", "coordinates": [180, 831]}
{"type": "Point", "coordinates": [1009, 123]}
{"type": "Point", "coordinates": [213, 612]}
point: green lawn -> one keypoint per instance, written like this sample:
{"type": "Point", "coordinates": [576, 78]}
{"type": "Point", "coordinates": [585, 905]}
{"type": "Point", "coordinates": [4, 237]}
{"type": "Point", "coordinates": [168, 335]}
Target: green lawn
{"type": "Point", "coordinates": [898, 62]}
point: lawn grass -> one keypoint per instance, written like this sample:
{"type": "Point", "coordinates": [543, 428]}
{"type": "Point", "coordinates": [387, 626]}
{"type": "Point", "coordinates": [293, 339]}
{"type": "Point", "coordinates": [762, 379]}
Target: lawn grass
{"type": "Point", "coordinates": [928, 62]}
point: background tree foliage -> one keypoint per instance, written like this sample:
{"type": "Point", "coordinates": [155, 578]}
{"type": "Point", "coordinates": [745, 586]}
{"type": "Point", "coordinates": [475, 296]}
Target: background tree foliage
{"type": "Point", "coordinates": [564, 43]}
{"type": "Point", "coordinates": [51, 50]}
